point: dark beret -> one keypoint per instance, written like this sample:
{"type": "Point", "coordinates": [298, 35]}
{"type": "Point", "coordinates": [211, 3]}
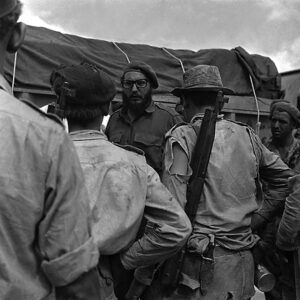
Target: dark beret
{"type": "Point", "coordinates": [143, 68]}
{"type": "Point", "coordinates": [286, 106]}
{"type": "Point", "coordinates": [90, 84]}
{"type": "Point", "coordinates": [7, 6]}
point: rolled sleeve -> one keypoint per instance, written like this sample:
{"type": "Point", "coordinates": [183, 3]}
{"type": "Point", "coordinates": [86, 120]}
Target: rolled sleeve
{"type": "Point", "coordinates": [66, 268]}
{"type": "Point", "coordinates": [168, 227]}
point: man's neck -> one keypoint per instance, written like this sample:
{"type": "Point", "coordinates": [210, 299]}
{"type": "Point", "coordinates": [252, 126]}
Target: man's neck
{"type": "Point", "coordinates": [284, 142]}
{"type": "Point", "coordinates": [93, 125]}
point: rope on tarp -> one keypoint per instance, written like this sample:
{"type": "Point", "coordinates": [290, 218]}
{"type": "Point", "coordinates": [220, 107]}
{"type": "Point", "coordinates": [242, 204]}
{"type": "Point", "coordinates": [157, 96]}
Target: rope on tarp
{"type": "Point", "coordinates": [182, 67]}
{"type": "Point", "coordinates": [258, 123]}
{"type": "Point", "coordinates": [127, 58]}
{"type": "Point", "coordinates": [14, 72]}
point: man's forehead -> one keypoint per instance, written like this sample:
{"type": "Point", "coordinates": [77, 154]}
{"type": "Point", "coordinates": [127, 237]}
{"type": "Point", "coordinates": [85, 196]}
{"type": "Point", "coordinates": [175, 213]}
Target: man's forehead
{"type": "Point", "coordinates": [134, 75]}
{"type": "Point", "coordinates": [281, 115]}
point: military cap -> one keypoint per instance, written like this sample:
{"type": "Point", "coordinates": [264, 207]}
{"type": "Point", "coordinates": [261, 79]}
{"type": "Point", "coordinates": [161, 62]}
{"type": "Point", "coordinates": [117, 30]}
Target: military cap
{"type": "Point", "coordinates": [287, 106]}
{"type": "Point", "coordinates": [91, 85]}
{"type": "Point", "coordinates": [7, 6]}
{"type": "Point", "coordinates": [138, 66]}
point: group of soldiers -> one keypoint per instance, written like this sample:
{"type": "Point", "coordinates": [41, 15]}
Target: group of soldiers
{"type": "Point", "coordinates": [88, 214]}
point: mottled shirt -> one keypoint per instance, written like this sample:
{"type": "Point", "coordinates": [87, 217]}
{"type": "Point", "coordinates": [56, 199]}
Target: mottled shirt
{"type": "Point", "coordinates": [292, 158]}
{"type": "Point", "coordinates": [147, 132]}
{"type": "Point", "coordinates": [229, 197]}
{"type": "Point", "coordinates": [44, 213]}
{"type": "Point", "coordinates": [123, 188]}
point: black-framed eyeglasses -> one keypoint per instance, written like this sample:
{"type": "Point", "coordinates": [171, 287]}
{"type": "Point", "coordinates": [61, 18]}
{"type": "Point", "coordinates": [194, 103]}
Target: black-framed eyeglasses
{"type": "Point", "coordinates": [140, 83]}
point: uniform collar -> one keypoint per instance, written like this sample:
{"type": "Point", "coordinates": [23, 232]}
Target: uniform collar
{"type": "Point", "coordinates": [200, 116]}
{"type": "Point", "coordinates": [4, 85]}
{"type": "Point", "coordinates": [87, 135]}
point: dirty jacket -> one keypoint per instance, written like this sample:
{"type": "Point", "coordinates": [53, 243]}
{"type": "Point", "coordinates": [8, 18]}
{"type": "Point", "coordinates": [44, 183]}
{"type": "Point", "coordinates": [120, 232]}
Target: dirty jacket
{"type": "Point", "coordinates": [123, 188]}
{"type": "Point", "coordinates": [147, 132]}
{"type": "Point", "coordinates": [293, 156]}
{"type": "Point", "coordinates": [229, 197]}
{"type": "Point", "coordinates": [44, 216]}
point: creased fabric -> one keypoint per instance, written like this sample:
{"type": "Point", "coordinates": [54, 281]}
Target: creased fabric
{"type": "Point", "coordinates": [123, 188]}
{"type": "Point", "coordinates": [44, 213]}
{"type": "Point", "coordinates": [230, 191]}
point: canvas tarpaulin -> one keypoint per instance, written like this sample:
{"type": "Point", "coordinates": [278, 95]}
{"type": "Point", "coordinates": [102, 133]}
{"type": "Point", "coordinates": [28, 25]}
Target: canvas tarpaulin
{"type": "Point", "coordinates": [45, 49]}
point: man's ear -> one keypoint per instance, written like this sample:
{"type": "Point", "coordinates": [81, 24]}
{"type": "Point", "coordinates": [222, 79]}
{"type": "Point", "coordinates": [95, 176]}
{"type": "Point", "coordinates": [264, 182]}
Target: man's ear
{"type": "Point", "coordinates": [17, 37]}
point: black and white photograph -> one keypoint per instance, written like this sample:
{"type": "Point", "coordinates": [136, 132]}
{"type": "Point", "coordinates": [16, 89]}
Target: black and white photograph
{"type": "Point", "coordinates": [149, 150]}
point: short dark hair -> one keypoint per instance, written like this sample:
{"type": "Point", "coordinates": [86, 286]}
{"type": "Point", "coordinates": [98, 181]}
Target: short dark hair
{"type": "Point", "coordinates": [83, 114]}
{"type": "Point", "coordinates": [9, 21]}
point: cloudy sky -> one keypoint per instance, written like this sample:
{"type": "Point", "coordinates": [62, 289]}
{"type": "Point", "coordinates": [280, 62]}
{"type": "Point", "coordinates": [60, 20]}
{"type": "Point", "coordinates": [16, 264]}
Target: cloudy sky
{"type": "Point", "coordinates": [265, 27]}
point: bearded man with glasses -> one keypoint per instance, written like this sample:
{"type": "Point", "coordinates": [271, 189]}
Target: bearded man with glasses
{"type": "Point", "coordinates": [140, 122]}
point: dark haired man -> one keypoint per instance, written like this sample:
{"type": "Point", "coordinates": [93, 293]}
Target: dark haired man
{"type": "Point", "coordinates": [285, 118]}
{"type": "Point", "coordinates": [45, 238]}
{"type": "Point", "coordinates": [141, 122]}
{"type": "Point", "coordinates": [122, 187]}
{"type": "Point", "coordinates": [228, 202]}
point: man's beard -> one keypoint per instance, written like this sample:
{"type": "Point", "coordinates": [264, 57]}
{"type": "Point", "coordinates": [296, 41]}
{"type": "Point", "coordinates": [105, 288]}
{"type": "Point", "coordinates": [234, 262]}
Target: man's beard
{"type": "Point", "coordinates": [137, 107]}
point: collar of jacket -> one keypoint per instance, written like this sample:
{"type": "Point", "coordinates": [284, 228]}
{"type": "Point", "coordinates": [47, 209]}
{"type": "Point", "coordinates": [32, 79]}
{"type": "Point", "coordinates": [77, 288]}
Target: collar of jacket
{"type": "Point", "coordinates": [87, 135]}
{"type": "Point", "coordinates": [200, 116]}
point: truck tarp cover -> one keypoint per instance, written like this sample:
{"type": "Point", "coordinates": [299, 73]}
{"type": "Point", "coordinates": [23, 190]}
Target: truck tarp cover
{"type": "Point", "coordinates": [45, 49]}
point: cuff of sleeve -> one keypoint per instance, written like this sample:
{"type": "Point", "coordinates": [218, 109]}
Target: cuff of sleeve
{"type": "Point", "coordinates": [68, 267]}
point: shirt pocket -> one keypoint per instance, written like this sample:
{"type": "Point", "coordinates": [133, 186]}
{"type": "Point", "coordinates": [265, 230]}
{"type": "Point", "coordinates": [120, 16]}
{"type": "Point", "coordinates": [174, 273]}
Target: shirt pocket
{"type": "Point", "coordinates": [148, 139]}
{"type": "Point", "coordinates": [152, 145]}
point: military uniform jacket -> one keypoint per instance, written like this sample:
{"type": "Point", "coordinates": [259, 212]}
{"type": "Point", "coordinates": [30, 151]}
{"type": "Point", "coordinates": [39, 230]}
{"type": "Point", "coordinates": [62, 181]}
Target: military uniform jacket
{"type": "Point", "coordinates": [146, 132]}
{"type": "Point", "coordinates": [44, 213]}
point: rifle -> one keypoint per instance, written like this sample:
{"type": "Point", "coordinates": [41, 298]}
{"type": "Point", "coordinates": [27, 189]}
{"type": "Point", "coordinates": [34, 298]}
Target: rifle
{"type": "Point", "coordinates": [172, 267]}
{"type": "Point", "coordinates": [199, 163]}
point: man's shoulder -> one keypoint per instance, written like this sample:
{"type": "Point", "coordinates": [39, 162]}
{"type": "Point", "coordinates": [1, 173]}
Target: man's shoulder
{"type": "Point", "coordinates": [130, 149]}
{"type": "Point", "coordinates": [28, 112]}
{"type": "Point", "coordinates": [238, 126]}
{"type": "Point", "coordinates": [165, 108]}
{"type": "Point", "coordinates": [48, 117]}
{"type": "Point", "coordinates": [181, 129]}
{"type": "Point", "coordinates": [237, 123]}
{"type": "Point", "coordinates": [129, 155]}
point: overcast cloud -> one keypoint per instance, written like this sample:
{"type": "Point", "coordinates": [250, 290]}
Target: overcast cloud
{"type": "Point", "coordinates": [266, 27]}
